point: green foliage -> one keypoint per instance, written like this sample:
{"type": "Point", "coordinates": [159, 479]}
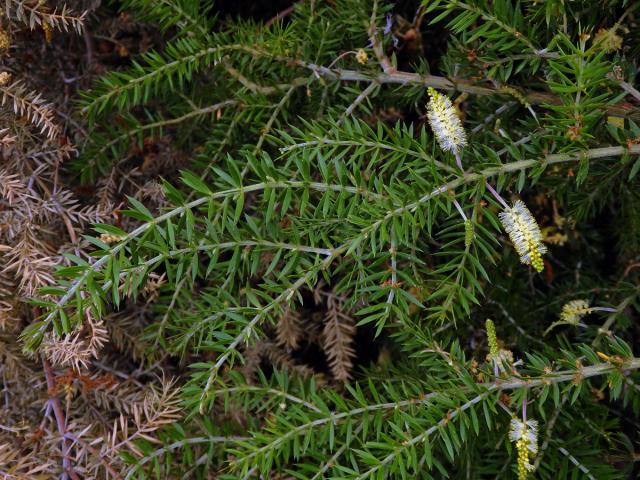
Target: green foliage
{"type": "Point", "coordinates": [300, 175]}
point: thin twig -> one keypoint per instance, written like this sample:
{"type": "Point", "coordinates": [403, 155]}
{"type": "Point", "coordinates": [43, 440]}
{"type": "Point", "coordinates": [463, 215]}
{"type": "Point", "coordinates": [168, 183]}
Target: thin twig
{"type": "Point", "coordinates": [378, 49]}
{"type": "Point", "coordinates": [394, 271]}
{"type": "Point", "coordinates": [60, 421]}
{"type": "Point", "coordinates": [573, 460]}
{"type": "Point", "coordinates": [605, 329]}
{"type": "Point", "coordinates": [359, 99]}
{"type": "Point", "coordinates": [630, 89]}
{"type": "Point", "coordinates": [280, 15]}
{"type": "Point", "coordinates": [95, 453]}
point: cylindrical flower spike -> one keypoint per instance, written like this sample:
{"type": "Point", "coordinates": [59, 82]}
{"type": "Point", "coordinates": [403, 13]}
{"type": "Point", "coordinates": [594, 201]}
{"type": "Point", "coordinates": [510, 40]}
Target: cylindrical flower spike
{"type": "Point", "coordinates": [468, 233]}
{"type": "Point", "coordinates": [492, 338]}
{"type": "Point", "coordinates": [525, 234]}
{"type": "Point", "coordinates": [525, 435]}
{"type": "Point", "coordinates": [445, 123]}
{"type": "Point", "coordinates": [573, 311]}
{"type": "Point", "coordinates": [571, 314]}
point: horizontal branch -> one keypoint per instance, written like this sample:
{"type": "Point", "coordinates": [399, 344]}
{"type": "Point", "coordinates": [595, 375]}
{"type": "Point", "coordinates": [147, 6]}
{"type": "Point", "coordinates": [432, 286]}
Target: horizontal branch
{"type": "Point", "coordinates": [166, 122]}
{"type": "Point", "coordinates": [498, 385]}
{"type": "Point", "coordinates": [506, 168]}
{"type": "Point", "coordinates": [261, 89]}
{"type": "Point", "coordinates": [443, 83]}
{"type": "Point", "coordinates": [273, 391]}
{"type": "Point", "coordinates": [392, 76]}
{"type": "Point", "coordinates": [381, 146]}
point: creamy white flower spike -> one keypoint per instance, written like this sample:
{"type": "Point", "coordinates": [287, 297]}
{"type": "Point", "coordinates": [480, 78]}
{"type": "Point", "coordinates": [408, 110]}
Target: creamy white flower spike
{"type": "Point", "coordinates": [573, 311]}
{"type": "Point", "coordinates": [445, 123]}
{"type": "Point", "coordinates": [525, 234]}
{"type": "Point", "coordinates": [525, 436]}
{"type": "Point", "coordinates": [528, 432]}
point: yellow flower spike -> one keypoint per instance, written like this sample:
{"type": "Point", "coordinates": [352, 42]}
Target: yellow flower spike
{"type": "Point", "coordinates": [109, 239]}
{"type": "Point", "coordinates": [571, 314]}
{"type": "Point", "coordinates": [468, 233]}
{"type": "Point", "coordinates": [573, 311]}
{"type": "Point", "coordinates": [492, 339]}
{"type": "Point", "coordinates": [445, 123]}
{"type": "Point", "coordinates": [499, 357]}
{"type": "Point", "coordinates": [525, 234]}
{"type": "Point", "coordinates": [525, 436]}
{"type": "Point", "coordinates": [523, 459]}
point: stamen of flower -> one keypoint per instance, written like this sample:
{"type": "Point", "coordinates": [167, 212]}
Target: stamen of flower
{"type": "Point", "coordinates": [525, 234]}
{"type": "Point", "coordinates": [445, 123]}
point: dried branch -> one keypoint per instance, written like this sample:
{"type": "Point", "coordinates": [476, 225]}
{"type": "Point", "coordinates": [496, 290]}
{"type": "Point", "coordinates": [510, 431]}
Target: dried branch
{"type": "Point", "coordinates": [289, 330]}
{"type": "Point", "coordinates": [339, 330]}
{"type": "Point", "coordinates": [60, 421]}
{"type": "Point", "coordinates": [34, 13]}
{"type": "Point", "coordinates": [32, 106]}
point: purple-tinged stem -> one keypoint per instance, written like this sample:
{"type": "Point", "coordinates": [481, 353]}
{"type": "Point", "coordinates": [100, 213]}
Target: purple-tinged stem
{"type": "Point", "coordinates": [496, 195]}
{"type": "Point", "coordinates": [458, 159]}
{"type": "Point", "coordinates": [462, 214]}
{"type": "Point", "coordinates": [60, 421]}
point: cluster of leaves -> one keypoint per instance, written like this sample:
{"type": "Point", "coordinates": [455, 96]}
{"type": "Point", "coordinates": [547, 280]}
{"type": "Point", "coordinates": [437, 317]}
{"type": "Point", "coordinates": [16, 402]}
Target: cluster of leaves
{"type": "Point", "coordinates": [307, 276]}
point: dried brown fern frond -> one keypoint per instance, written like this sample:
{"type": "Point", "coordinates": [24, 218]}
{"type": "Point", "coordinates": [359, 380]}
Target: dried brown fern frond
{"type": "Point", "coordinates": [121, 397]}
{"type": "Point", "coordinates": [77, 349]}
{"type": "Point", "coordinates": [13, 189]}
{"type": "Point", "coordinates": [339, 330]}
{"type": "Point", "coordinates": [289, 332]}
{"type": "Point", "coordinates": [10, 314]}
{"type": "Point", "coordinates": [283, 361]}
{"type": "Point", "coordinates": [13, 362]}
{"type": "Point", "coordinates": [15, 465]}
{"type": "Point", "coordinates": [158, 408]}
{"type": "Point", "coordinates": [8, 311]}
{"type": "Point", "coordinates": [58, 202]}
{"type": "Point", "coordinates": [50, 152]}
{"type": "Point", "coordinates": [107, 189]}
{"type": "Point", "coordinates": [152, 191]}
{"type": "Point", "coordinates": [36, 13]}
{"type": "Point", "coordinates": [125, 328]}
{"type": "Point", "coordinates": [152, 287]}
{"type": "Point", "coordinates": [30, 260]}
{"type": "Point", "coordinates": [6, 139]}
{"type": "Point", "coordinates": [252, 359]}
{"type": "Point", "coordinates": [32, 106]}
{"type": "Point", "coordinates": [277, 357]}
